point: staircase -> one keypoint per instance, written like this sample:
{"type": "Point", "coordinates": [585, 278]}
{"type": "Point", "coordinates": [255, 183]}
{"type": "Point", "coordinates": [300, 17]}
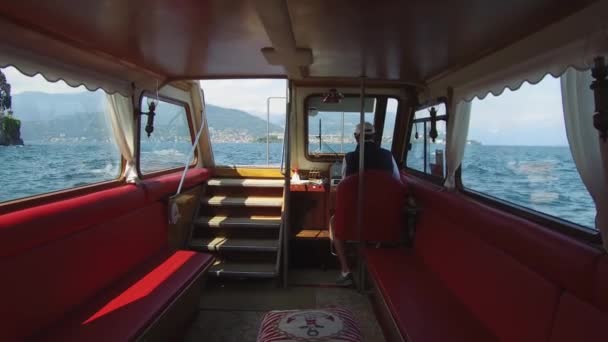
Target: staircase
{"type": "Point", "coordinates": [239, 221]}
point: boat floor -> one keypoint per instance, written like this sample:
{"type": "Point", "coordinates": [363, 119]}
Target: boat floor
{"type": "Point", "coordinates": [233, 310]}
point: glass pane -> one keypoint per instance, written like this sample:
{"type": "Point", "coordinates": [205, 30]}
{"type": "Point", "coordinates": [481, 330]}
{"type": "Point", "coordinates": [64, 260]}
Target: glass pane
{"type": "Point", "coordinates": [52, 137]}
{"type": "Point", "coordinates": [332, 131]}
{"type": "Point", "coordinates": [435, 150]}
{"type": "Point", "coordinates": [171, 141]}
{"type": "Point", "coordinates": [389, 124]}
{"type": "Point", "coordinates": [237, 112]}
{"type": "Point", "coordinates": [518, 151]}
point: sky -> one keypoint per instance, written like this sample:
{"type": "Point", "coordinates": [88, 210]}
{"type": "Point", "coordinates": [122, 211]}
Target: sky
{"type": "Point", "coordinates": [530, 116]}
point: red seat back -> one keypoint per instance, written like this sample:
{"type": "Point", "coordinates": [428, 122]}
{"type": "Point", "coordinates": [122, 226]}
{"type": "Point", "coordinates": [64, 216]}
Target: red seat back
{"type": "Point", "coordinates": [384, 202]}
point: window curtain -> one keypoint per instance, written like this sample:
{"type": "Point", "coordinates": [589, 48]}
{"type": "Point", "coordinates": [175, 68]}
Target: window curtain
{"type": "Point", "coordinates": [579, 106]}
{"type": "Point", "coordinates": [458, 129]}
{"type": "Point", "coordinates": [120, 112]}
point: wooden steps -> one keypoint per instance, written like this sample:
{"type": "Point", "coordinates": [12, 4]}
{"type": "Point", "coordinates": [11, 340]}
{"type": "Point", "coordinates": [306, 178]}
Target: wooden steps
{"type": "Point", "coordinates": [228, 269]}
{"type": "Point", "coordinates": [239, 221]}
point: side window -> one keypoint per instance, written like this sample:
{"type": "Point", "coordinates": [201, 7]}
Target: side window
{"type": "Point", "coordinates": [425, 153]}
{"type": "Point", "coordinates": [518, 152]}
{"type": "Point", "coordinates": [52, 137]}
{"type": "Point", "coordinates": [389, 123]}
{"type": "Point", "coordinates": [170, 142]}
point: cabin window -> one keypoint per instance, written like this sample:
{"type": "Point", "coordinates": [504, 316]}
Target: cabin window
{"type": "Point", "coordinates": [246, 120]}
{"type": "Point", "coordinates": [389, 123]}
{"type": "Point", "coordinates": [426, 154]}
{"type": "Point", "coordinates": [52, 137]}
{"type": "Point", "coordinates": [331, 125]}
{"type": "Point", "coordinates": [170, 142]}
{"type": "Point", "coordinates": [518, 152]}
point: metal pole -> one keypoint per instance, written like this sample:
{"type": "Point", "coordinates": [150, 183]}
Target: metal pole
{"type": "Point", "coordinates": [268, 131]}
{"type": "Point", "coordinates": [287, 199]}
{"type": "Point", "coordinates": [360, 194]}
{"type": "Point", "coordinates": [268, 126]}
{"type": "Point", "coordinates": [342, 137]}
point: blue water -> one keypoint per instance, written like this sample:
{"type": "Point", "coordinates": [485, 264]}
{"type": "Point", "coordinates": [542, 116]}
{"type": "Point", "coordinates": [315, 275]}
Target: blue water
{"type": "Point", "coordinates": [540, 178]}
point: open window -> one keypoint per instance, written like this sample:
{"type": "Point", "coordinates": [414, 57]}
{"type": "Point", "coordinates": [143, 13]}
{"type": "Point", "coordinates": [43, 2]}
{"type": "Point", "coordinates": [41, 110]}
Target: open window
{"type": "Point", "coordinates": [330, 126]}
{"type": "Point", "coordinates": [426, 147]}
{"type": "Point", "coordinates": [167, 146]}
{"type": "Point", "coordinates": [518, 155]}
{"type": "Point", "coordinates": [53, 137]}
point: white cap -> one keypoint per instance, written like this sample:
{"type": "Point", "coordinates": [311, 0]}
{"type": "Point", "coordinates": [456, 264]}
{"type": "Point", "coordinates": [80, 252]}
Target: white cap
{"type": "Point", "coordinates": [369, 129]}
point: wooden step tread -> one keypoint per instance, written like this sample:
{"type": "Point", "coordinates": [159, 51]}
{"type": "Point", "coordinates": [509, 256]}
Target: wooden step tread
{"type": "Point", "coordinates": [220, 244]}
{"type": "Point", "coordinates": [238, 222]}
{"type": "Point", "coordinates": [223, 268]}
{"type": "Point", "coordinates": [247, 182]}
{"type": "Point", "coordinates": [250, 201]}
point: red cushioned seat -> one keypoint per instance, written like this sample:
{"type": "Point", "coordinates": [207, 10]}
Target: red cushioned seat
{"type": "Point", "coordinates": [424, 310]}
{"type": "Point", "coordinates": [128, 307]}
{"type": "Point", "coordinates": [383, 218]}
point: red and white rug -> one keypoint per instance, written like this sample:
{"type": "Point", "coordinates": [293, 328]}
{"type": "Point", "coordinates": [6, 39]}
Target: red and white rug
{"type": "Point", "coordinates": [330, 324]}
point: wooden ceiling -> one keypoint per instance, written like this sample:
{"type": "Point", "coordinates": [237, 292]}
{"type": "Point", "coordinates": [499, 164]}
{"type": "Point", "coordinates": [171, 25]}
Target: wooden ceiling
{"type": "Point", "coordinates": [408, 41]}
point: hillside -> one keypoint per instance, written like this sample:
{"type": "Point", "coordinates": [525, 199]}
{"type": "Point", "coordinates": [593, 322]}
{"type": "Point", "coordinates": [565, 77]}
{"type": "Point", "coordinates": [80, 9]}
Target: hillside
{"type": "Point", "coordinates": [76, 115]}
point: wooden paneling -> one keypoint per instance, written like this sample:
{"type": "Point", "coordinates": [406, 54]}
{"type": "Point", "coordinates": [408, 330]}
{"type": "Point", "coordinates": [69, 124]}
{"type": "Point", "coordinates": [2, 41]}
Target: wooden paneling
{"type": "Point", "coordinates": [247, 172]}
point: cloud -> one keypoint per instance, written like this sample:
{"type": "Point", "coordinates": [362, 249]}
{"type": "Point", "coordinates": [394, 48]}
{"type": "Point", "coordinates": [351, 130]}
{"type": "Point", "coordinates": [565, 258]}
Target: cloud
{"type": "Point", "coordinates": [249, 95]}
{"type": "Point", "coordinates": [532, 115]}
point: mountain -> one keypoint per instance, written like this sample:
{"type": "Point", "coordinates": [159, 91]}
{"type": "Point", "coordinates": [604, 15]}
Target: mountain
{"type": "Point", "coordinates": [47, 116]}
{"type": "Point", "coordinates": [230, 125]}
{"type": "Point", "coordinates": [39, 106]}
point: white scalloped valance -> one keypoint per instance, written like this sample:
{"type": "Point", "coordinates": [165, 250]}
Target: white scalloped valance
{"type": "Point", "coordinates": [33, 52]}
{"type": "Point", "coordinates": [571, 42]}
{"type": "Point", "coordinates": [52, 70]}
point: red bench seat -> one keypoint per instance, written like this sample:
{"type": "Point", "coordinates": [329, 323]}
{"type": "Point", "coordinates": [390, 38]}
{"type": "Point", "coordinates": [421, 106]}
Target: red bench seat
{"type": "Point", "coordinates": [477, 274]}
{"type": "Point", "coordinates": [422, 307]}
{"type": "Point", "coordinates": [125, 310]}
{"type": "Point", "coordinates": [103, 255]}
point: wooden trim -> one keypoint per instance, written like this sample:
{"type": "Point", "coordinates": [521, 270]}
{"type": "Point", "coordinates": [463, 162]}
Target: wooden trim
{"type": "Point", "coordinates": [247, 172]}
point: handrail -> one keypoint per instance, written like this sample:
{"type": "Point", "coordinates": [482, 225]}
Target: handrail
{"type": "Point", "coordinates": [194, 145]}
{"type": "Point", "coordinates": [268, 127]}
{"type": "Point", "coordinates": [173, 208]}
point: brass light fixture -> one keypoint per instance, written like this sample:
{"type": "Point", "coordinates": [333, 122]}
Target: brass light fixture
{"type": "Point", "coordinates": [152, 104]}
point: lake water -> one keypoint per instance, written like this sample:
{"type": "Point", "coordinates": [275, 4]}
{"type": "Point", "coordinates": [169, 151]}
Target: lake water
{"type": "Point", "coordinates": [541, 178]}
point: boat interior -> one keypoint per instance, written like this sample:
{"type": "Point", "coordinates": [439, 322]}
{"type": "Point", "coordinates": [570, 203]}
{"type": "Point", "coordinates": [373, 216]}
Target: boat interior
{"type": "Point", "coordinates": [204, 250]}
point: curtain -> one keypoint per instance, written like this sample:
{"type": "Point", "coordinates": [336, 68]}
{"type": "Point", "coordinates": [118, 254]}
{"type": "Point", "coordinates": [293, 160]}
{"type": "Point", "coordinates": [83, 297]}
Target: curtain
{"type": "Point", "coordinates": [120, 112]}
{"type": "Point", "coordinates": [583, 138]}
{"type": "Point", "coordinates": [458, 129]}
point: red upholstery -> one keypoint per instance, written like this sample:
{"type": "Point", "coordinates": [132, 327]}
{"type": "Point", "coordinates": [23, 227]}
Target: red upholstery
{"type": "Point", "coordinates": [58, 256]}
{"type": "Point", "coordinates": [121, 313]}
{"type": "Point", "coordinates": [423, 308]}
{"type": "Point", "coordinates": [568, 263]}
{"type": "Point", "coordinates": [519, 280]}
{"type": "Point", "coordinates": [26, 229]}
{"type": "Point", "coordinates": [512, 301]}
{"type": "Point", "coordinates": [577, 320]}
{"type": "Point", "coordinates": [384, 202]}
{"type": "Point", "coordinates": [600, 297]}
{"type": "Point", "coordinates": [48, 281]}
{"type": "Point", "coordinates": [158, 187]}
